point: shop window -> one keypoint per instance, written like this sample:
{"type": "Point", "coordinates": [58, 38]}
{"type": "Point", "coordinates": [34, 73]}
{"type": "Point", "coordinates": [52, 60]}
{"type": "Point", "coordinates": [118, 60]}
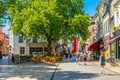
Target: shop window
{"type": "Point", "coordinates": [22, 50]}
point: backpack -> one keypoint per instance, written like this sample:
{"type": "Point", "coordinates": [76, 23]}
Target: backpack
{"type": "Point", "coordinates": [70, 56]}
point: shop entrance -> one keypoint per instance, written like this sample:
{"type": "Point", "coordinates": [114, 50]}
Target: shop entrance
{"type": "Point", "coordinates": [39, 50]}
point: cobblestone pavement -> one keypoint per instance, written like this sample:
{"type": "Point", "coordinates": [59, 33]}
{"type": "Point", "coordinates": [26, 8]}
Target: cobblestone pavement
{"type": "Point", "coordinates": [27, 71]}
{"type": "Point", "coordinates": [73, 71]}
{"type": "Point", "coordinates": [108, 66]}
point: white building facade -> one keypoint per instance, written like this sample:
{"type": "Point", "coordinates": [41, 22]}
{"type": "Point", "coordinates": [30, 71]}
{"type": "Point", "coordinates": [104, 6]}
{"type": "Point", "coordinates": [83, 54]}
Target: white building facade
{"type": "Point", "coordinates": [18, 44]}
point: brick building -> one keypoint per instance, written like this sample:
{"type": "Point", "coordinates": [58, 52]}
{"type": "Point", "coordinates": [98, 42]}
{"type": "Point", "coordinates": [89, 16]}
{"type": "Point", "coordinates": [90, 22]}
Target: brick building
{"type": "Point", "coordinates": [3, 42]}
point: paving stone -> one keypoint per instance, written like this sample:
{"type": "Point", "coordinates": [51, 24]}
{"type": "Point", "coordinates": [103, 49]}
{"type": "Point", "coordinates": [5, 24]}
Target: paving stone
{"type": "Point", "coordinates": [73, 71]}
{"type": "Point", "coordinates": [27, 71]}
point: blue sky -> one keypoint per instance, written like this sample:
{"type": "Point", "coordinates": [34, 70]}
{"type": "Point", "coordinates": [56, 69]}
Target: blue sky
{"type": "Point", "coordinates": [90, 6]}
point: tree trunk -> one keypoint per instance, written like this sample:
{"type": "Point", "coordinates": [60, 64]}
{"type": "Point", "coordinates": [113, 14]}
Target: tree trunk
{"type": "Point", "coordinates": [49, 45]}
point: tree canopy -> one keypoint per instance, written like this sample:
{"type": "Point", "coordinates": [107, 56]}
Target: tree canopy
{"type": "Point", "coordinates": [53, 19]}
{"type": "Point", "coordinates": [2, 8]}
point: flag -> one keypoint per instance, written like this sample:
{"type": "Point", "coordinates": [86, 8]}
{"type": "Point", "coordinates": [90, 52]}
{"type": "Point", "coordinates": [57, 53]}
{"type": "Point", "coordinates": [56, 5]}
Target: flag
{"type": "Point", "coordinates": [75, 44]}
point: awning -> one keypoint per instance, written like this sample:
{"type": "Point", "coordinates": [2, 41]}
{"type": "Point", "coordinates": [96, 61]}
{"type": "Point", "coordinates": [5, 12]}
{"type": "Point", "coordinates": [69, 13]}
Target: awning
{"type": "Point", "coordinates": [93, 47]}
{"type": "Point", "coordinates": [75, 44]}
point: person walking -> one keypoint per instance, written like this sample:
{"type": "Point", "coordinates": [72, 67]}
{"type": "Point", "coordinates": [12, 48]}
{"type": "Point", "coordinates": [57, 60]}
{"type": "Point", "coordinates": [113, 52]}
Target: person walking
{"type": "Point", "coordinates": [85, 58]}
{"type": "Point", "coordinates": [102, 62]}
{"type": "Point", "coordinates": [88, 56]}
{"type": "Point", "coordinates": [13, 58]}
{"type": "Point", "coordinates": [66, 53]}
{"type": "Point", "coordinates": [10, 58]}
{"type": "Point", "coordinates": [0, 55]}
{"type": "Point", "coordinates": [78, 57]}
{"type": "Point", "coordinates": [70, 56]}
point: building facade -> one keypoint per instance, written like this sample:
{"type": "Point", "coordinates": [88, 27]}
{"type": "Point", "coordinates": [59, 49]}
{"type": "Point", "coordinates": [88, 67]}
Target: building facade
{"type": "Point", "coordinates": [106, 29]}
{"type": "Point", "coordinates": [3, 42]}
{"type": "Point", "coordinates": [107, 21]}
{"type": "Point", "coordinates": [115, 25]}
{"type": "Point", "coordinates": [91, 40]}
{"type": "Point", "coordinates": [102, 22]}
{"type": "Point", "coordinates": [20, 45]}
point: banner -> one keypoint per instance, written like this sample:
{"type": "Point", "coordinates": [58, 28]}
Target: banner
{"type": "Point", "coordinates": [75, 44]}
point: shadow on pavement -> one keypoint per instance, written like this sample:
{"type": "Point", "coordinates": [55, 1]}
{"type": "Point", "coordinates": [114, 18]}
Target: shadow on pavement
{"type": "Point", "coordinates": [70, 75]}
{"type": "Point", "coordinates": [30, 71]}
{"type": "Point", "coordinates": [113, 74]}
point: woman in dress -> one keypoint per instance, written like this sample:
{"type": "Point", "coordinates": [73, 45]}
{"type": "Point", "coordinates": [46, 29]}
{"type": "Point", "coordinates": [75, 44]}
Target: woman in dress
{"type": "Point", "coordinates": [102, 62]}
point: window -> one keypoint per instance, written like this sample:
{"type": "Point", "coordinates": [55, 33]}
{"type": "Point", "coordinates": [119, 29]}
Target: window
{"type": "Point", "coordinates": [20, 39]}
{"type": "Point", "coordinates": [108, 26]}
{"type": "Point", "coordinates": [22, 50]}
{"type": "Point", "coordinates": [104, 28]}
{"type": "Point", "coordinates": [117, 15]}
{"type": "Point", "coordinates": [34, 39]}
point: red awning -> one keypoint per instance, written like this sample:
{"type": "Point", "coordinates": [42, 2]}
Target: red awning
{"type": "Point", "coordinates": [93, 46]}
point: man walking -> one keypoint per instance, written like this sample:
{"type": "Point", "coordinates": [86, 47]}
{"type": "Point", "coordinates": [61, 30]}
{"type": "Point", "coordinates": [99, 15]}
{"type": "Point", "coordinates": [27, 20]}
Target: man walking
{"type": "Point", "coordinates": [10, 58]}
{"type": "Point", "coordinates": [0, 55]}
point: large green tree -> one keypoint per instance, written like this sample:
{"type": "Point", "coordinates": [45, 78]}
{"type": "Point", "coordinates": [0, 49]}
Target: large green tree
{"type": "Point", "coordinates": [53, 19]}
{"type": "Point", "coordinates": [3, 8]}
